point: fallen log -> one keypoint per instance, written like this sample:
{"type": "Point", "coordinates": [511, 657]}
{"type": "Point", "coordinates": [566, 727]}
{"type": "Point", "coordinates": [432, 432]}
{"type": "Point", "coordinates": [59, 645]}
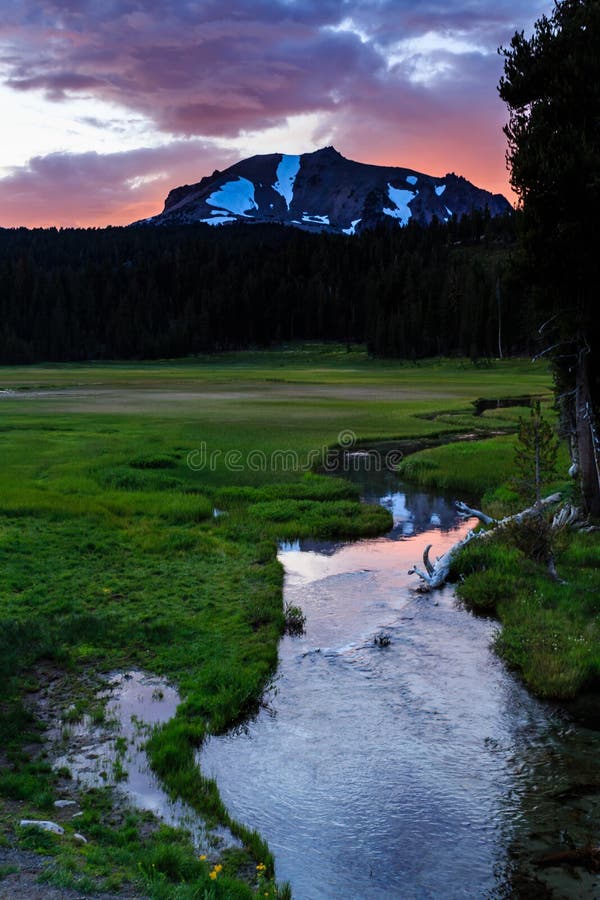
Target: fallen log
{"type": "Point", "coordinates": [435, 575]}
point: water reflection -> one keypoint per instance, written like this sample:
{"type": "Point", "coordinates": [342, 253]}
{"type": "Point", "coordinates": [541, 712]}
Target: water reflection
{"type": "Point", "coordinates": [410, 771]}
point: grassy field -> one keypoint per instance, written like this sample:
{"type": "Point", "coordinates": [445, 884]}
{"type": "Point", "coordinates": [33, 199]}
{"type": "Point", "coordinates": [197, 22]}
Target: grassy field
{"type": "Point", "coordinates": [111, 558]}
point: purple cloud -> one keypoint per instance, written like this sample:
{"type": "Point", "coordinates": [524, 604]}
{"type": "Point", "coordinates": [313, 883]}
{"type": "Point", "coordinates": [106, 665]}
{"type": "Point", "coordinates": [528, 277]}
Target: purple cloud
{"type": "Point", "coordinates": [394, 81]}
{"type": "Point", "coordinates": [72, 189]}
{"type": "Point", "coordinates": [219, 68]}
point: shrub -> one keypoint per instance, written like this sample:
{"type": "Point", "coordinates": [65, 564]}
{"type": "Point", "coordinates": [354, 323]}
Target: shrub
{"type": "Point", "coordinates": [533, 537]}
{"type": "Point", "coordinates": [295, 620]}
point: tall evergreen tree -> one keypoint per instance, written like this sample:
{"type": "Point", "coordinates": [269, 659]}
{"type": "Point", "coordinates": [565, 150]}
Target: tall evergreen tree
{"type": "Point", "coordinates": [551, 85]}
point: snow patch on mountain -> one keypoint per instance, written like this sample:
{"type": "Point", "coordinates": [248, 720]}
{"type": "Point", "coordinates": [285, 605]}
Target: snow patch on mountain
{"type": "Point", "coordinates": [400, 198]}
{"type": "Point", "coordinates": [218, 220]}
{"type": "Point", "coordinates": [286, 173]}
{"type": "Point", "coordinates": [315, 220]}
{"type": "Point", "coordinates": [249, 189]}
{"type": "Point", "coordinates": [234, 196]}
{"type": "Point", "coordinates": [352, 229]}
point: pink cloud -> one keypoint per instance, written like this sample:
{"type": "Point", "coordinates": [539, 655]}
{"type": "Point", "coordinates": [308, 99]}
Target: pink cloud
{"type": "Point", "coordinates": [220, 67]}
{"type": "Point", "coordinates": [92, 189]}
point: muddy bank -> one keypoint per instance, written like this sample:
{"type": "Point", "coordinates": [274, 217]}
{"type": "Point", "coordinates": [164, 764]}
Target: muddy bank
{"type": "Point", "coordinates": [94, 731]}
{"type": "Point", "coordinates": [105, 746]}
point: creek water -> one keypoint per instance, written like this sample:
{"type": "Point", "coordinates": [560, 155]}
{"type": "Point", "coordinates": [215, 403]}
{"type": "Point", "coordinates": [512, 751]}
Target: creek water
{"type": "Point", "coordinates": [112, 752]}
{"type": "Point", "coordinates": [421, 769]}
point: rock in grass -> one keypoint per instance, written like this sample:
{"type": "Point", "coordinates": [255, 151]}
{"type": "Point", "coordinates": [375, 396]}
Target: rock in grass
{"type": "Point", "coordinates": [45, 826]}
{"type": "Point", "coordinates": [80, 838]}
{"type": "Point", "coordinates": [60, 804]}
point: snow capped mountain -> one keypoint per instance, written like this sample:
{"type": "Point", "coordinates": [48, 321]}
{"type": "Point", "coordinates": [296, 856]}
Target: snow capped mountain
{"type": "Point", "coordinates": [323, 191]}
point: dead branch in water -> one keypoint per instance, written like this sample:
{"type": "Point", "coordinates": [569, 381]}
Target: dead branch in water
{"type": "Point", "coordinates": [435, 575]}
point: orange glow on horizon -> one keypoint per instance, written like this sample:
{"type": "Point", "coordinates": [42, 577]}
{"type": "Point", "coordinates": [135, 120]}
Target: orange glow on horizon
{"type": "Point", "coordinates": [430, 159]}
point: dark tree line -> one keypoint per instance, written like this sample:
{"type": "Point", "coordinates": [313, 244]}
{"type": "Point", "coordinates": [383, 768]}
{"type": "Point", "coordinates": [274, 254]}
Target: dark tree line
{"type": "Point", "coordinates": [150, 292]}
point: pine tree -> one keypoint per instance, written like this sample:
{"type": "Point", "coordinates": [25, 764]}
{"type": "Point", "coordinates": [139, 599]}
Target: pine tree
{"type": "Point", "coordinates": [535, 454]}
{"type": "Point", "coordinates": [551, 85]}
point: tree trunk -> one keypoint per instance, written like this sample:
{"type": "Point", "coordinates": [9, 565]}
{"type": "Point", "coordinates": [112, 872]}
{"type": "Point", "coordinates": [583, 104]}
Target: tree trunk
{"type": "Point", "coordinates": [588, 444]}
{"type": "Point", "coordinates": [538, 486]}
{"type": "Point", "coordinates": [499, 306]}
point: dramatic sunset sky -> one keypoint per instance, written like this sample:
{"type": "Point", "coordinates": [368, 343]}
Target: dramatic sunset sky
{"type": "Point", "coordinates": [107, 104]}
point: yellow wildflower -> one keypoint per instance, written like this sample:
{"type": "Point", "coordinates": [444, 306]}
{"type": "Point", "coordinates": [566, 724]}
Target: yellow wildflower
{"type": "Point", "coordinates": [212, 875]}
{"type": "Point", "coordinates": [203, 857]}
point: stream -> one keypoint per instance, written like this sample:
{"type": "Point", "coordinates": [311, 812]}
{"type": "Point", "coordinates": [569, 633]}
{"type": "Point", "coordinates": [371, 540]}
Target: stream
{"type": "Point", "coordinates": [421, 769]}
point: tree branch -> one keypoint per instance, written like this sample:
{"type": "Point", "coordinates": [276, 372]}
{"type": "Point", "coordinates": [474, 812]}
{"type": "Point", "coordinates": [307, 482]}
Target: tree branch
{"type": "Point", "coordinates": [426, 561]}
{"type": "Point", "coordinates": [467, 513]}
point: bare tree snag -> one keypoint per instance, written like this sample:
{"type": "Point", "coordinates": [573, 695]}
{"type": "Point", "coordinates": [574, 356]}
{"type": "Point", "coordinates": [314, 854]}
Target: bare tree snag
{"type": "Point", "coordinates": [436, 575]}
{"type": "Point", "coordinates": [467, 513]}
{"type": "Point", "coordinates": [426, 561]}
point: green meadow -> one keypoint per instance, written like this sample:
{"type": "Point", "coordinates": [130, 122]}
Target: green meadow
{"type": "Point", "coordinates": [111, 557]}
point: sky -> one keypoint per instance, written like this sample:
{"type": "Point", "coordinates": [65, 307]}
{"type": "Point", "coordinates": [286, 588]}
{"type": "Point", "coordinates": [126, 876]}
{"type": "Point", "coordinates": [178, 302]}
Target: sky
{"type": "Point", "coordinates": [108, 104]}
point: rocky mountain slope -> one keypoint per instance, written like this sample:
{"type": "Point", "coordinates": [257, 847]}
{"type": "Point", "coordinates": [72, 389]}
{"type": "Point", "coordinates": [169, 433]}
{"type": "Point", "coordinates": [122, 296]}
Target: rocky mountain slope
{"type": "Point", "coordinates": [323, 191]}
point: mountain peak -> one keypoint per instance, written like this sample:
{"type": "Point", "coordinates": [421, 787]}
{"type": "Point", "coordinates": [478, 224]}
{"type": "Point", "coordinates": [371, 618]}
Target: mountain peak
{"type": "Point", "coordinates": [323, 191]}
{"type": "Point", "coordinates": [327, 151]}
